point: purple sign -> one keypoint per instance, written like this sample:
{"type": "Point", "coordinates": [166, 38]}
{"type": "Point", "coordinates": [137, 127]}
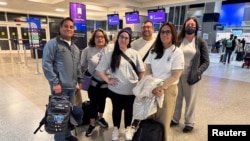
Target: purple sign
{"type": "Point", "coordinates": [113, 19]}
{"type": "Point", "coordinates": [157, 15]}
{"type": "Point", "coordinates": [132, 17]}
{"type": "Point", "coordinates": [78, 12]}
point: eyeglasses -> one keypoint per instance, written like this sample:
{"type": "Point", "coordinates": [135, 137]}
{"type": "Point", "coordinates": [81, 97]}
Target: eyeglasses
{"type": "Point", "coordinates": [97, 37]}
{"type": "Point", "coordinates": [146, 27]}
{"type": "Point", "coordinates": [167, 32]}
{"type": "Point", "coordinates": [122, 37]}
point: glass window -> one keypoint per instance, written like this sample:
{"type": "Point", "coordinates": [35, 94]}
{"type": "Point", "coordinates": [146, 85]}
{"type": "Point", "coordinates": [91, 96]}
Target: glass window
{"type": "Point", "coordinates": [4, 42]}
{"type": "Point", "coordinates": [101, 24]}
{"type": "Point", "coordinates": [3, 32]}
{"type": "Point", "coordinates": [157, 26]}
{"type": "Point", "coordinates": [16, 17]}
{"type": "Point", "coordinates": [90, 25]}
{"type": "Point", "coordinates": [43, 19]}
{"type": "Point", "coordinates": [55, 19]}
{"type": "Point", "coordinates": [2, 16]}
{"type": "Point", "coordinates": [112, 27]}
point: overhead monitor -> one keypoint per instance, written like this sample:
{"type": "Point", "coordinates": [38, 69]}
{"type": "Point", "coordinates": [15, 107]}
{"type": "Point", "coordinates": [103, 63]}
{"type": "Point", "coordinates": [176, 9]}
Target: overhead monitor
{"type": "Point", "coordinates": [113, 19]}
{"type": "Point", "coordinates": [157, 15]}
{"type": "Point", "coordinates": [132, 17]}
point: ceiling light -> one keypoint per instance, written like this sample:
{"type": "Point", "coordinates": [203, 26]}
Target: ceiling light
{"type": "Point", "coordinates": [3, 3]}
{"type": "Point", "coordinates": [59, 10]}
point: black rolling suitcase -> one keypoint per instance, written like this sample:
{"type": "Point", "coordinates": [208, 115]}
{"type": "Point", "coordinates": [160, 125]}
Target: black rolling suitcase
{"type": "Point", "coordinates": [222, 58]}
{"type": "Point", "coordinates": [240, 56]}
{"type": "Point", "coordinates": [149, 130]}
{"type": "Point", "coordinates": [85, 108]}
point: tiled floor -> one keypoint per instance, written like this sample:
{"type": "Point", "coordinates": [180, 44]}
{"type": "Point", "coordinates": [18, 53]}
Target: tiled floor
{"type": "Point", "coordinates": [224, 99]}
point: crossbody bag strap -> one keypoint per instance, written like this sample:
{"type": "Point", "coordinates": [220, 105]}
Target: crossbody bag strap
{"type": "Point", "coordinates": [146, 55]}
{"type": "Point", "coordinates": [131, 63]}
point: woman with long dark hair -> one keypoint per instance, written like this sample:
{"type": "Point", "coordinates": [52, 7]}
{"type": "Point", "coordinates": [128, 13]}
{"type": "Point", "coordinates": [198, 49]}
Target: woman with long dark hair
{"type": "Point", "coordinates": [126, 69]}
{"type": "Point", "coordinates": [196, 62]}
{"type": "Point", "coordinates": [165, 61]}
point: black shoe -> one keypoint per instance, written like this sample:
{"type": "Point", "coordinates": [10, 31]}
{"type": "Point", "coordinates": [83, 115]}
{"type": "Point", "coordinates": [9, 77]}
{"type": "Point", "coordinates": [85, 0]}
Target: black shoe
{"type": "Point", "coordinates": [135, 123]}
{"type": "Point", "coordinates": [187, 129]}
{"type": "Point", "coordinates": [90, 131]}
{"type": "Point", "coordinates": [102, 122]}
{"type": "Point", "coordinates": [71, 138]}
{"type": "Point", "coordinates": [172, 124]}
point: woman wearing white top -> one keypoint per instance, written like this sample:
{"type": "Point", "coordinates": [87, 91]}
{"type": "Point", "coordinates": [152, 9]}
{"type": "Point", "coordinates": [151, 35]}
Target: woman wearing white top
{"type": "Point", "coordinates": [122, 80]}
{"type": "Point", "coordinates": [165, 61]}
{"type": "Point", "coordinates": [196, 62]}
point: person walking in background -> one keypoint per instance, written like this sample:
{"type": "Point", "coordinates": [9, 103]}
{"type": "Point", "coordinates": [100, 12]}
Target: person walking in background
{"type": "Point", "coordinates": [196, 56]}
{"type": "Point", "coordinates": [97, 91]}
{"type": "Point", "coordinates": [230, 46]}
{"type": "Point", "coordinates": [165, 61]}
{"type": "Point", "coordinates": [243, 43]}
{"type": "Point", "coordinates": [122, 79]}
{"type": "Point", "coordinates": [143, 44]}
{"type": "Point", "coordinates": [61, 66]}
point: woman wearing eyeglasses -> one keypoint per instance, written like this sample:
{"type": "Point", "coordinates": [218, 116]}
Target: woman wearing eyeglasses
{"type": "Point", "coordinates": [165, 61]}
{"type": "Point", "coordinates": [196, 62]}
{"type": "Point", "coordinates": [97, 92]}
{"type": "Point", "coordinates": [121, 80]}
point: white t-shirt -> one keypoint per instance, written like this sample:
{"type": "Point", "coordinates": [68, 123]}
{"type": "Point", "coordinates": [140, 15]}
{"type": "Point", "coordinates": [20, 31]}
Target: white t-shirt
{"type": "Point", "coordinates": [188, 49]}
{"type": "Point", "coordinates": [127, 77]}
{"type": "Point", "coordinates": [172, 59]}
{"type": "Point", "coordinates": [142, 46]}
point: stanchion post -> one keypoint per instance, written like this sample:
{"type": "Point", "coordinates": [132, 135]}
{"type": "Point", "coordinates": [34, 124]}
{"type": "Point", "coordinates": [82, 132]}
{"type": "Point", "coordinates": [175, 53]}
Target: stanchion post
{"type": "Point", "coordinates": [18, 51]}
{"type": "Point", "coordinates": [25, 57]}
{"type": "Point", "coordinates": [37, 66]}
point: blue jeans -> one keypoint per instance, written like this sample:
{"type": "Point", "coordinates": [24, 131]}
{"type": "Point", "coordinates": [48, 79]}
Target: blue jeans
{"type": "Point", "coordinates": [70, 93]}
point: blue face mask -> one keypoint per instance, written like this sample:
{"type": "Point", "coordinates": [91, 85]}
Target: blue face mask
{"type": "Point", "coordinates": [189, 30]}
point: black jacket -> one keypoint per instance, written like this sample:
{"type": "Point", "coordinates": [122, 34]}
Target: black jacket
{"type": "Point", "coordinates": [200, 62]}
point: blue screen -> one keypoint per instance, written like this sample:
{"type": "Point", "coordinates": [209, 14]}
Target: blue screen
{"type": "Point", "coordinates": [157, 15]}
{"type": "Point", "coordinates": [232, 14]}
{"type": "Point", "coordinates": [132, 17]}
{"type": "Point", "coordinates": [113, 19]}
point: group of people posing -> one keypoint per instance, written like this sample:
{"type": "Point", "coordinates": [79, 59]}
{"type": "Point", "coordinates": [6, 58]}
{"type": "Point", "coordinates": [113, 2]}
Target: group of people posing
{"type": "Point", "coordinates": [178, 60]}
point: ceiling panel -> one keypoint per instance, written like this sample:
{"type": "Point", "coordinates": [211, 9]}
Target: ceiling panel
{"type": "Point", "coordinates": [96, 9]}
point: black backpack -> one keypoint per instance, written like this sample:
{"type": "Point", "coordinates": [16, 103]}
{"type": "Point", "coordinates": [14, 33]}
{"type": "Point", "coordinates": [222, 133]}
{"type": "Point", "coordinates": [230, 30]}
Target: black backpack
{"type": "Point", "coordinates": [149, 130]}
{"type": "Point", "coordinates": [57, 115]}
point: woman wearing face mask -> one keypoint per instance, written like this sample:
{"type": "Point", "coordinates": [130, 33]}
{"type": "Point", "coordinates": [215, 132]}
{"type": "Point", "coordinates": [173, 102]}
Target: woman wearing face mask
{"type": "Point", "coordinates": [196, 62]}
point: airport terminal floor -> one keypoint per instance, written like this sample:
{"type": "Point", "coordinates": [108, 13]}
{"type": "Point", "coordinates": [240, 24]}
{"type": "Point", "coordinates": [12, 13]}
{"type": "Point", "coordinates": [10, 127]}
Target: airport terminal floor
{"type": "Point", "coordinates": [224, 95]}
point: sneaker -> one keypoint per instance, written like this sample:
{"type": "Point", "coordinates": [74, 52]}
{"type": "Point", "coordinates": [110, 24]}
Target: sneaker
{"type": "Point", "coordinates": [71, 138]}
{"type": "Point", "coordinates": [102, 122]}
{"type": "Point", "coordinates": [115, 134]}
{"type": "Point", "coordinates": [135, 123]}
{"type": "Point", "coordinates": [90, 131]}
{"type": "Point", "coordinates": [128, 135]}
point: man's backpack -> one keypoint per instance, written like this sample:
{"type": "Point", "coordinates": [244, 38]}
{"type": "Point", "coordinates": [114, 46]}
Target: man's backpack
{"type": "Point", "coordinates": [229, 43]}
{"type": "Point", "coordinates": [149, 130]}
{"type": "Point", "coordinates": [57, 115]}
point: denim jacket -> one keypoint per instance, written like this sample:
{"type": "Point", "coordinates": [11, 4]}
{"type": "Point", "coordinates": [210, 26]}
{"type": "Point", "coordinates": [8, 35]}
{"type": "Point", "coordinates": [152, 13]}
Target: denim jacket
{"type": "Point", "coordinates": [61, 63]}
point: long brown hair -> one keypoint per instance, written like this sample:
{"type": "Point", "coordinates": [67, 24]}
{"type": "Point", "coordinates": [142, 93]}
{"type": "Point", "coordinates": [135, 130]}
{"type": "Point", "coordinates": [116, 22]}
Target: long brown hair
{"type": "Point", "coordinates": [158, 46]}
{"type": "Point", "coordinates": [181, 35]}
